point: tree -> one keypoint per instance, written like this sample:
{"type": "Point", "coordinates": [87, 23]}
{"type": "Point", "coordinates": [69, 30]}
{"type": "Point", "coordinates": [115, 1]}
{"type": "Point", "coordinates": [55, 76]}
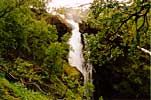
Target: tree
{"type": "Point", "coordinates": [123, 69]}
{"type": "Point", "coordinates": [32, 56]}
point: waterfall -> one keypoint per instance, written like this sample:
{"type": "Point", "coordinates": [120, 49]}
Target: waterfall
{"type": "Point", "coordinates": [75, 54]}
{"type": "Point", "coordinates": [76, 59]}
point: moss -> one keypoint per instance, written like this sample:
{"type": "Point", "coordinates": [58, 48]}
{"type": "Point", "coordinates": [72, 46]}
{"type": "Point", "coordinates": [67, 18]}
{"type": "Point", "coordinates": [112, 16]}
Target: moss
{"type": "Point", "coordinates": [72, 72]}
{"type": "Point", "coordinates": [15, 91]}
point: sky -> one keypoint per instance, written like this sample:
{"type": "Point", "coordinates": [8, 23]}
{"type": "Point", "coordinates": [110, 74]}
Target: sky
{"type": "Point", "coordinates": [72, 3]}
{"type": "Point", "coordinates": [68, 3]}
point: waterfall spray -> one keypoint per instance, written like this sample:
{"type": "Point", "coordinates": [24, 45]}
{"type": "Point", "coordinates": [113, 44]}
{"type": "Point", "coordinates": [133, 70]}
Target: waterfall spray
{"type": "Point", "coordinates": [72, 17]}
{"type": "Point", "coordinates": [75, 54]}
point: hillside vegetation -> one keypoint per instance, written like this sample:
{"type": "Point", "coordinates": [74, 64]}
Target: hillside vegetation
{"type": "Point", "coordinates": [34, 52]}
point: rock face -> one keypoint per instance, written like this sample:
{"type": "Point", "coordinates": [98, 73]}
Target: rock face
{"type": "Point", "coordinates": [62, 28]}
{"type": "Point", "coordinates": [85, 28]}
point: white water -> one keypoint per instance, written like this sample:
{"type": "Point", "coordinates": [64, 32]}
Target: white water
{"type": "Point", "coordinates": [70, 18]}
{"type": "Point", "coordinates": [75, 54]}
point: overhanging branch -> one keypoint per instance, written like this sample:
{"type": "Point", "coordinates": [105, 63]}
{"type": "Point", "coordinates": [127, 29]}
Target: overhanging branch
{"type": "Point", "coordinates": [144, 50]}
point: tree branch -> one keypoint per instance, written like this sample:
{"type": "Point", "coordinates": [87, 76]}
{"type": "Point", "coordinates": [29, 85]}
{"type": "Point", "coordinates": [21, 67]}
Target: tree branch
{"type": "Point", "coordinates": [37, 86]}
{"type": "Point", "coordinates": [144, 50]}
{"type": "Point", "coordinates": [136, 14]}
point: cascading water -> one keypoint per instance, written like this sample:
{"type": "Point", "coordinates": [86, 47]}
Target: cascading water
{"type": "Point", "coordinates": [75, 54]}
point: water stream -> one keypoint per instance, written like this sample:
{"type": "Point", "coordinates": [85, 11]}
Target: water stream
{"type": "Point", "coordinates": [76, 58]}
{"type": "Point", "coordinates": [75, 54]}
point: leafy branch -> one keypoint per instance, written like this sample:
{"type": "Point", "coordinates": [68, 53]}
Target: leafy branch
{"type": "Point", "coordinates": [137, 15]}
{"type": "Point", "coordinates": [9, 9]}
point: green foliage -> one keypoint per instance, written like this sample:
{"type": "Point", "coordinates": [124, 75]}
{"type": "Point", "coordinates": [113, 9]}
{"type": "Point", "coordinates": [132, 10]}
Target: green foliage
{"type": "Point", "coordinates": [101, 98]}
{"type": "Point", "coordinates": [32, 58]}
{"type": "Point", "coordinates": [40, 37]}
{"type": "Point", "coordinates": [54, 59]}
{"type": "Point", "coordinates": [10, 91]}
{"type": "Point", "coordinates": [15, 19]}
{"type": "Point", "coordinates": [25, 37]}
{"type": "Point", "coordinates": [114, 48]}
{"type": "Point", "coordinates": [31, 53]}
